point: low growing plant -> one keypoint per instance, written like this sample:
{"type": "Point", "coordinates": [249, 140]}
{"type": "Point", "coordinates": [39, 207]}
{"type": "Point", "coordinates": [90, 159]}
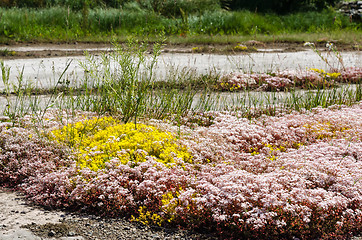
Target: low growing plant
{"type": "Point", "coordinates": [286, 176]}
{"type": "Point", "coordinates": [97, 141]}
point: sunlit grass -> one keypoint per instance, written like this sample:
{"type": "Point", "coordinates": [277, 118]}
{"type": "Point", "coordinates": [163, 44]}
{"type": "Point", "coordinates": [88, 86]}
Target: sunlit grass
{"type": "Point", "coordinates": [341, 36]}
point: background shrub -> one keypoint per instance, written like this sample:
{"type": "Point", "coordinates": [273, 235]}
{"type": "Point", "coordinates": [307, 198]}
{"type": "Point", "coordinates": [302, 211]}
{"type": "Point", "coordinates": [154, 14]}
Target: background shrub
{"type": "Point", "coordinates": [173, 8]}
{"type": "Point", "coordinates": [180, 8]}
{"type": "Point", "coordinates": [280, 6]}
{"type": "Point", "coordinates": [163, 7]}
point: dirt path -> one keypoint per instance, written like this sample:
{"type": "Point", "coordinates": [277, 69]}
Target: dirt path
{"type": "Point", "coordinates": [45, 50]}
{"type": "Point", "coordinates": [16, 212]}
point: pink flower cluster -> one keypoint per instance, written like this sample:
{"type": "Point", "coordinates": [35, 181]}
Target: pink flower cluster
{"type": "Point", "coordinates": [277, 81]}
{"type": "Point", "coordinates": [351, 74]}
{"type": "Point", "coordinates": [305, 78]}
{"type": "Point", "coordinates": [293, 176]}
{"type": "Point", "coordinates": [23, 155]}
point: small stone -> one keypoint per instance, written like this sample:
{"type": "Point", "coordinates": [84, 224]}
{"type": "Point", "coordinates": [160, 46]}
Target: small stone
{"type": "Point", "coordinates": [156, 237]}
{"type": "Point", "coordinates": [51, 233]}
{"type": "Point", "coordinates": [71, 234]}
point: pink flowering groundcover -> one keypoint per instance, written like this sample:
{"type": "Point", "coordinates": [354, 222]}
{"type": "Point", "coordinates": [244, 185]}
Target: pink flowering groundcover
{"type": "Point", "coordinates": [296, 175]}
{"type": "Point", "coordinates": [288, 79]}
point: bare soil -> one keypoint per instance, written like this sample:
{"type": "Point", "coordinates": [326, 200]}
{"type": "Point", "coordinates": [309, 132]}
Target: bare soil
{"type": "Point", "coordinates": [21, 219]}
{"type": "Point", "coordinates": [44, 50]}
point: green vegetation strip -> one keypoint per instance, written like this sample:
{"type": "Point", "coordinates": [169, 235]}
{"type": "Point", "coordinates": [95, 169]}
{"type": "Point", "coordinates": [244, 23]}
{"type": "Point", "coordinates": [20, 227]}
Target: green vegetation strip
{"type": "Point", "coordinates": [213, 26]}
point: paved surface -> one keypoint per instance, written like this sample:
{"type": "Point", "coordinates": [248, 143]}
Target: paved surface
{"type": "Point", "coordinates": [45, 72]}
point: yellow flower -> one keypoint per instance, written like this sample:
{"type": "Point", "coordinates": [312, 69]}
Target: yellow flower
{"type": "Point", "coordinates": [240, 48]}
{"type": "Point", "coordinates": [147, 217]}
{"type": "Point", "coordinates": [325, 74]}
{"type": "Point", "coordinates": [97, 141]}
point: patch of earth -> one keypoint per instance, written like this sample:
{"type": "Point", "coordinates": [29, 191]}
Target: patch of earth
{"type": "Point", "coordinates": [92, 228]}
{"type": "Point", "coordinates": [45, 50]}
{"type": "Point", "coordinates": [21, 219]}
{"type": "Point", "coordinates": [17, 211]}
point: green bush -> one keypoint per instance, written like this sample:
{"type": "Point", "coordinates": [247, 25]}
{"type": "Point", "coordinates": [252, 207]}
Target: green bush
{"type": "Point", "coordinates": [73, 4]}
{"type": "Point", "coordinates": [249, 23]}
{"type": "Point", "coordinates": [105, 20]}
{"type": "Point", "coordinates": [168, 8]}
{"type": "Point", "coordinates": [63, 23]}
{"type": "Point", "coordinates": [179, 8]}
{"type": "Point", "coordinates": [281, 6]}
{"type": "Point", "coordinates": [176, 8]}
{"type": "Point", "coordinates": [22, 3]}
{"type": "Point", "coordinates": [315, 21]}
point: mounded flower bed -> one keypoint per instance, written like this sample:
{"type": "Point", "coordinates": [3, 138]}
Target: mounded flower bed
{"type": "Point", "coordinates": [280, 80]}
{"type": "Point", "coordinates": [294, 175]}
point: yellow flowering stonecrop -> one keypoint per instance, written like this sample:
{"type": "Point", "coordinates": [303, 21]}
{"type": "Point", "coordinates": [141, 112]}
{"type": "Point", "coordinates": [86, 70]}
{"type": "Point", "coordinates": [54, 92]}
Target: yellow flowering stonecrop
{"type": "Point", "coordinates": [167, 211]}
{"type": "Point", "coordinates": [323, 130]}
{"type": "Point", "coordinates": [325, 74]}
{"type": "Point", "coordinates": [74, 134]}
{"type": "Point", "coordinates": [240, 48]}
{"type": "Point", "coordinates": [147, 217]}
{"type": "Point", "coordinates": [99, 140]}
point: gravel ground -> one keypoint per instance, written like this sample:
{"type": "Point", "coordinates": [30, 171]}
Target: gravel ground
{"type": "Point", "coordinates": [20, 219]}
{"type": "Point", "coordinates": [95, 228]}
